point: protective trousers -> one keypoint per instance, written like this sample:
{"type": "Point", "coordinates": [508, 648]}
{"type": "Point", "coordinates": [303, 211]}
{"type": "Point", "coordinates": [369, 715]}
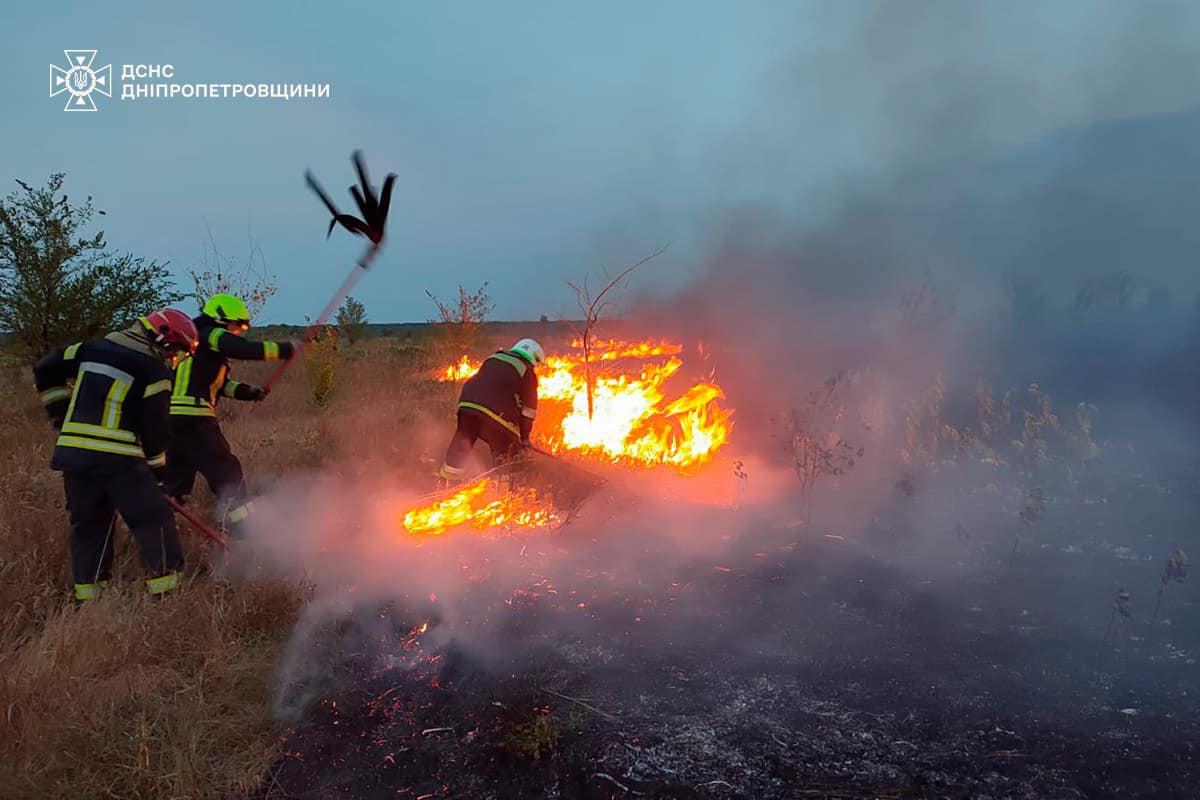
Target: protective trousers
{"type": "Point", "coordinates": [473, 426]}
{"type": "Point", "coordinates": [198, 445]}
{"type": "Point", "coordinates": [93, 501]}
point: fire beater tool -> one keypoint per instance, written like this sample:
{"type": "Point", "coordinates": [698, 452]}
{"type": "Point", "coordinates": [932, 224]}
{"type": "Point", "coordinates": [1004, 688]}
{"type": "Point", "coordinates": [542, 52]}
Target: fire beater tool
{"type": "Point", "coordinates": [374, 210]}
{"type": "Point", "coordinates": [597, 478]}
{"type": "Point", "coordinates": [191, 517]}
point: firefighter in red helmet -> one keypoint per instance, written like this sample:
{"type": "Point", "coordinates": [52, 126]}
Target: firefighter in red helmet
{"type": "Point", "coordinates": [109, 400]}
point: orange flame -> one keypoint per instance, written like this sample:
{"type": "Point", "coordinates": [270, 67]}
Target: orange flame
{"type": "Point", "coordinates": [460, 371]}
{"type": "Point", "coordinates": [632, 419]}
{"type": "Point", "coordinates": [612, 349]}
{"type": "Point", "coordinates": [471, 506]}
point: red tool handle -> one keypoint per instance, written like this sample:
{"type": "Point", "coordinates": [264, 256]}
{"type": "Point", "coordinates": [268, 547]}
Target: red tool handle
{"type": "Point", "coordinates": [187, 514]}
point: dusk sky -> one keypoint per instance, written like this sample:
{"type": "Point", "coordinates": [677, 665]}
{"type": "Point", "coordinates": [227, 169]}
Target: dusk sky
{"type": "Point", "coordinates": [537, 141]}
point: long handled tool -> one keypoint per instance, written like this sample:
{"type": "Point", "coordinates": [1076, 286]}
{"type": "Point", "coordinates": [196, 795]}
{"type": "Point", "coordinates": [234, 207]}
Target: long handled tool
{"type": "Point", "coordinates": [599, 479]}
{"type": "Point", "coordinates": [191, 517]}
{"type": "Point", "coordinates": [374, 210]}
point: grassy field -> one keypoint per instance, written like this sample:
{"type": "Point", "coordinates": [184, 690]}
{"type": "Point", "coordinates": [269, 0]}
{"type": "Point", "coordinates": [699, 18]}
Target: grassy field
{"type": "Point", "coordinates": [133, 698]}
{"type": "Point", "coordinates": [961, 646]}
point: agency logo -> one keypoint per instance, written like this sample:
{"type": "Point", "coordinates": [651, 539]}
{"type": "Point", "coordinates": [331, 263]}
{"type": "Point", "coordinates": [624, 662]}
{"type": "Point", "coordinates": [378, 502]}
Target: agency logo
{"type": "Point", "coordinates": [80, 80]}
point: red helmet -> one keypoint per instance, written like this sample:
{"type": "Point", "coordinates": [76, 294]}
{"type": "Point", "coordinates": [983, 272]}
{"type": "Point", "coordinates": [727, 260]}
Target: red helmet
{"type": "Point", "coordinates": [172, 330]}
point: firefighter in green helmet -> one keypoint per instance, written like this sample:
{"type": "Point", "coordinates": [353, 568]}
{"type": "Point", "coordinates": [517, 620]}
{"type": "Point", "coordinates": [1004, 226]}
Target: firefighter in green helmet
{"type": "Point", "coordinates": [197, 443]}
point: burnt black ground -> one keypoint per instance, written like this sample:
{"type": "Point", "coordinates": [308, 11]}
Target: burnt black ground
{"type": "Point", "coordinates": [798, 666]}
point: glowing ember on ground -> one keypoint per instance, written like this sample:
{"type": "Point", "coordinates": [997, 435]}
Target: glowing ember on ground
{"type": "Point", "coordinates": [634, 420]}
{"type": "Point", "coordinates": [476, 506]}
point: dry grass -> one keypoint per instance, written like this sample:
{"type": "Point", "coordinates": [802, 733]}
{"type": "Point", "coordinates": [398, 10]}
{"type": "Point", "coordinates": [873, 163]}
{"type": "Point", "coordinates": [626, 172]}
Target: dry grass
{"type": "Point", "coordinates": [130, 697]}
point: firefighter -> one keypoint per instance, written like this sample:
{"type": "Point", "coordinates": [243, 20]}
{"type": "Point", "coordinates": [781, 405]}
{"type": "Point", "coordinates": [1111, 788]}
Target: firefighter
{"type": "Point", "coordinates": [113, 430]}
{"type": "Point", "coordinates": [197, 443]}
{"type": "Point", "coordinates": [498, 404]}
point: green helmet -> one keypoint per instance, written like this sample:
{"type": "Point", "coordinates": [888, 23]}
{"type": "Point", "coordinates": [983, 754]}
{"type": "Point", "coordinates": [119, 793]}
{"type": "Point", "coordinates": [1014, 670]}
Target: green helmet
{"type": "Point", "coordinates": [226, 308]}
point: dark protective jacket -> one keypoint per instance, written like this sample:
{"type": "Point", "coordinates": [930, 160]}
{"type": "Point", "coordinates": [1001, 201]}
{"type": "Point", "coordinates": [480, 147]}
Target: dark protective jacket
{"type": "Point", "coordinates": [505, 388]}
{"type": "Point", "coordinates": [204, 378]}
{"type": "Point", "coordinates": [116, 412]}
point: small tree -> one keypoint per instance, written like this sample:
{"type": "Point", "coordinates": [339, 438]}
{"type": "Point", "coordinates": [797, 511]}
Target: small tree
{"type": "Point", "coordinates": [815, 442]}
{"type": "Point", "coordinates": [461, 320]}
{"type": "Point", "coordinates": [351, 320]}
{"type": "Point", "coordinates": [594, 308]}
{"type": "Point", "coordinates": [320, 365]}
{"type": "Point", "coordinates": [247, 280]}
{"type": "Point", "coordinates": [58, 285]}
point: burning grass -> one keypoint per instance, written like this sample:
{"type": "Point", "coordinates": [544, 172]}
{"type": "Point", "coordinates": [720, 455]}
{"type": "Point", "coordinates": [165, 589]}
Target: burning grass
{"type": "Point", "coordinates": [640, 416]}
{"type": "Point", "coordinates": [483, 504]}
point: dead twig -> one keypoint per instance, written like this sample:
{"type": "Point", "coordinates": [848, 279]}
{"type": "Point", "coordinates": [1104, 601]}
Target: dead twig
{"type": "Point", "coordinates": [605, 776]}
{"type": "Point", "coordinates": [577, 701]}
{"type": "Point", "coordinates": [274, 781]}
{"type": "Point", "coordinates": [428, 731]}
{"type": "Point", "coordinates": [594, 307]}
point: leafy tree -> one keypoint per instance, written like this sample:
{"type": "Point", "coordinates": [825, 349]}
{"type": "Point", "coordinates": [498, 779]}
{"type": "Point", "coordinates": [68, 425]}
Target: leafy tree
{"type": "Point", "coordinates": [351, 320]}
{"type": "Point", "coordinates": [58, 285]}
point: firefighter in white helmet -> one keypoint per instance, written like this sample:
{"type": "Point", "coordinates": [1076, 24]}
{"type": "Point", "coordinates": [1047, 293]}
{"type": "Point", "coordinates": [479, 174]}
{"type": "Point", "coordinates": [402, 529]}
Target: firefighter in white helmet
{"type": "Point", "coordinates": [497, 404]}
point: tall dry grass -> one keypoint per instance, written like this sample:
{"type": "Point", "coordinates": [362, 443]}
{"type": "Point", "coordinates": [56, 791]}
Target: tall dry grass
{"type": "Point", "coordinates": [130, 697]}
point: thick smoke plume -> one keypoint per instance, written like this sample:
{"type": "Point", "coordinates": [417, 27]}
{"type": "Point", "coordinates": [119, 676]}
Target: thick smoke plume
{"type": "Point", "coordinates": [943, 195]}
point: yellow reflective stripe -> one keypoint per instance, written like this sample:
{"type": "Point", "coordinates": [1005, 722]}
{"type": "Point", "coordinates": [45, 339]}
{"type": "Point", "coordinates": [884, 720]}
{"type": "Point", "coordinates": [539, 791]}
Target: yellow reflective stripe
{"type": "Point", "coordinates": [100, 446]}
{"type": "Point", "coordinates": [230, 389]}
{"type": "Point", "coordinates": [188, 400]}
{"type": "Point", "coordinates": [183, 375]}
{"type": "Point", "coordinates": [516, 363]}
{"type": "Point", "coordinates": [87, 591]}
{"type": "Point", "coordinates": [213, 337]}
{"type": "Point", "coordinates": [71, 406]}
{"type": "Point", "coordinates": [192, 411]}
{"type": "Point", "coordinates": [240, 513]}
{"type": "Point", "coordinates": [484, 409]}
{"type": "Point", "coordinates": [69, 353]}
{"type": "Point", "coordinates": [159, 460]}
{"type": "Point", "coordinates": [156, 387]}
{"type": "Point", "coordinates": [270, 351]}
{"type": "Point", "coordinates": [54, 395]}
{"type": "Point", "coordinates": [164, 583]}
{"type": "Point", "coordinates": [113, 403]}
{"type": "Point", "coordinates": [214, 388]}
{"type": "Point", "coordinates": [87, 429]}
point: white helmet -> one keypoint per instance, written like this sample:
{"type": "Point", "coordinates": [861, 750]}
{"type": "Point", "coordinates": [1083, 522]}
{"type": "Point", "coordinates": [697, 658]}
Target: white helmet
{"type": "Point", "coordinates": [530, 350]}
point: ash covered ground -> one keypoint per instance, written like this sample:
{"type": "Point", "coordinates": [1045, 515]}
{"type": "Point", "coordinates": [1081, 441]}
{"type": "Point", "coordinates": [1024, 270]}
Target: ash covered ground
{"type": "Point", "coordinates": [773, 660]}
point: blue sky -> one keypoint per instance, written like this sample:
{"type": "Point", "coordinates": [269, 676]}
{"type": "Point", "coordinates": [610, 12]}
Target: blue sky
{"type": "Point", "coordinates": [535, 141]}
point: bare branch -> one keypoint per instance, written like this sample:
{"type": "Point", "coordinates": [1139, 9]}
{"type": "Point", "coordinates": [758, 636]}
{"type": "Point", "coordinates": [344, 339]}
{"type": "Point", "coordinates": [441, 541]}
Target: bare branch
{"type": "Point", "coordinates": [613, 283]}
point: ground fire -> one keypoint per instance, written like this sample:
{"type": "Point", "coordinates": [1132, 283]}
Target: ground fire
{"type": "Point", "coordinates": [635, 422]}
{"type": "Point", "coordinates": [481, 504]}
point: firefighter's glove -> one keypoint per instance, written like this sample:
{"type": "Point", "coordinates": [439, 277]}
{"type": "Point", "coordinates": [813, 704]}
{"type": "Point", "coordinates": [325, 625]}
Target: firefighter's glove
{"type": "Point", "coordinates": [256, 393]}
